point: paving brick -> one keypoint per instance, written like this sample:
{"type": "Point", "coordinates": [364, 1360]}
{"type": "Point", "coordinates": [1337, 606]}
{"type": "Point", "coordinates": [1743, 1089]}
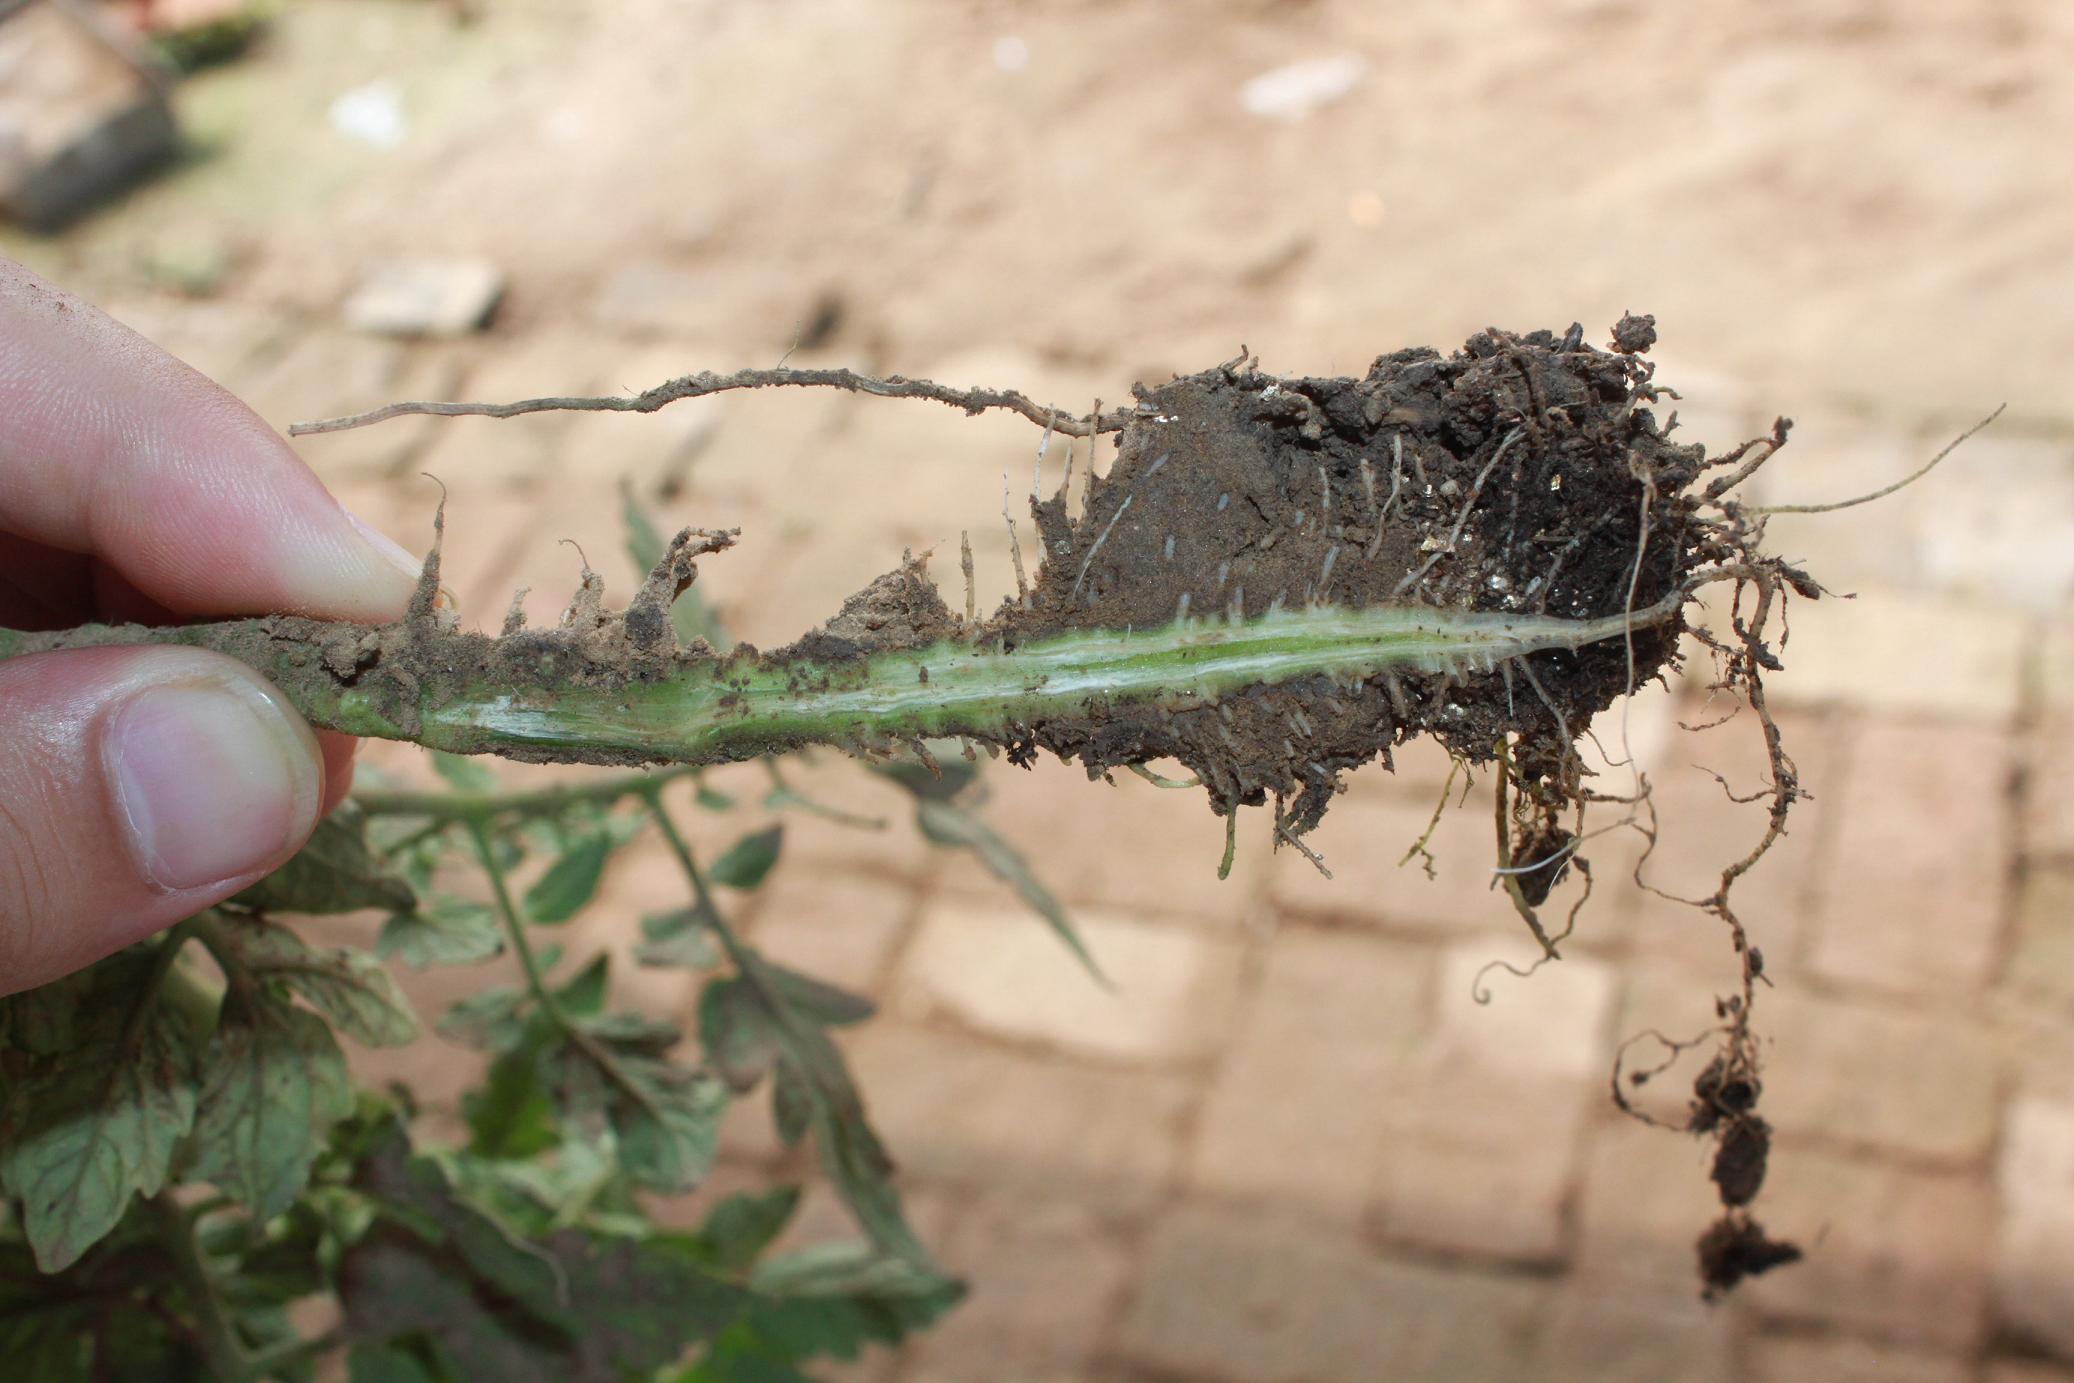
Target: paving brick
{"type": "Point", "coordinates": [1835, 456]}
{"type": "Point", "coordinates": [840, 928]}
{"type": "Point", "coordinates": [1922, 1084]}
{"type": "Point", "coordinates": [2047, 805]}
{"type": "Point", "coordinates": [759, 447]}
{"type": "Point", "coordinates": [1363, 842]}
{"type": "Point", "coordinates": [905, 474]}
{"type": "Point", "coordinates": [1127, 844]}
{"type": "Point", "coordinates": [1300, 1109]}
{"type": "Point", "coordinates": [424, 297]}
{"type": "Point", "coordinates": [1791, 1360]}
{"type": "Point", "coordinates": [954, 1109]}
{"type": "Point", "coordinates": [1893, 1253]}
{"type": "Point", "coordinates": [1905, 654]}
{"type": "Point", "coordinates": [1644, 1201]}
{"type": "Point", "coordinates": [2025, 1371]}
{"type": "Point", "coordinates": [996, 967]}
{"type": "Point", "coordinates": [1600, 1335]}
{"type": "Point", "coordinates": [2009, 537]}
{"type": "Point", "coordinates": [656, 452]}
{"type": "Point", "coordinates": [2034, 1248]}
{"type": "Point", "coordinates": [324, 374]}
{"type": "Point", "coordinates": [1554, 1022]}
{"type": "Point", "coordinates": [2052, 665]}
{"type": "Point", "coordinates": [1488, 1120]}
{"type": "Point", "coordinates": [1481, 1160]}
{"type": "Point", "coordinates": [524, 450]}
{"type": "Point", "coordinates": [877, 833]}
{"type": "Point", "coordinates": [1700, 831]}
{"type": "Point", "coordinates": [1913, 897]}
{"type": "Point", "coordinates": [2041, 957]}
{"type": "Point", "coordinates": [1046, 1277]}
{"type": "Point", "coordinates": [1230, 1295]}
{"type": "Point", "coordinates": [945, 1354]}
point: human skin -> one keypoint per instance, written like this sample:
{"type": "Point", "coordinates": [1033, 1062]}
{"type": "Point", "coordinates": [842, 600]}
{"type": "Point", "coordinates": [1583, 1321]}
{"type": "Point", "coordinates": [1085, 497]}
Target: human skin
{"type": "Point", "coordinates": [140, 785]}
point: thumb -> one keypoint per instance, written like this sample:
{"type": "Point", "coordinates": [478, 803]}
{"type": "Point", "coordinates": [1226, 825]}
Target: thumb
{"type": "Point", "coordinates": [138, 786]}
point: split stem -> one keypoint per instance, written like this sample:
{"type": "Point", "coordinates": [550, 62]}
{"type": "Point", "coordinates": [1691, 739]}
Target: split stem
{"type": "Point", "coordinates": [708, 709]}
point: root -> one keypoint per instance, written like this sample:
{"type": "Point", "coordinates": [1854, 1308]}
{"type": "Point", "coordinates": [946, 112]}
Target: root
{"type": "Point", "coordinates": [706, 382]}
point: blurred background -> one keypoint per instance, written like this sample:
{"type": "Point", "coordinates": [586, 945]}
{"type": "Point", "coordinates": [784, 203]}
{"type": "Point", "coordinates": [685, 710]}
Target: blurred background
{"type": "Point", "coordinates": [1292, 1148]}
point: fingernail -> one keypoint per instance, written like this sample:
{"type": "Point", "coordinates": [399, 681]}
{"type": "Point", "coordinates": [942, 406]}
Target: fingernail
{"type": "Point", "coordinates": [212, 781]}
{"type": "Point", "coordinates": [389, 548]}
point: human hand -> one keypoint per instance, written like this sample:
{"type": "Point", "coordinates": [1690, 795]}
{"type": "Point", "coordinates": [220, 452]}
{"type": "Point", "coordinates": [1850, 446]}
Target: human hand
{"type": "Point", "coordinates": [140, 785]}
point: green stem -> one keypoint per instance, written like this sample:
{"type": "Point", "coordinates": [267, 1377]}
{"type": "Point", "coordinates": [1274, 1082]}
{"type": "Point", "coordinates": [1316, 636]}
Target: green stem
{"type": "Point", "coordinates": [702, 893]}
{"type": "Point", "coordinates": [514, 927]}
{"type": "Point", "coordinates": [289, 1353]}
{"type": "Point", "coordinates": [484, 806]}
{"type": "Point", "coordinates": [221, 1349]}
{"type": "Point", "coordinates": [704, 709]}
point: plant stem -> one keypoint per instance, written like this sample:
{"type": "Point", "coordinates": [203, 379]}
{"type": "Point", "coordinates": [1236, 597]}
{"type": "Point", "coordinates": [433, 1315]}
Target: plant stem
{"type": "Point", "coordinates": [218, 1339]}
{"type": "Point", "coordinates": [703, 708]}
{"type": "Point", "coordinates": [285, 1355]}
{"type": "Point", "coordinates": [483, 806]}
{"type": "Point", "coordinates": [701, 892]}
{"type": "Point", "coordinates": [514, 927]}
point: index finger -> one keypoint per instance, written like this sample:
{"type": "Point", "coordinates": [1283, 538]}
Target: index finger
{"type": "Point", "coordinates": [110, 447]}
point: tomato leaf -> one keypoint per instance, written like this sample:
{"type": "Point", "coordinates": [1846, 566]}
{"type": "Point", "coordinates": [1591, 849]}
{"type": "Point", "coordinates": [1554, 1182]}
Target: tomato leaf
{"type": "Point", "coordinates": [448, 932]}
{"type": "Point", "coordinates": [275, 1085]}
{"type": "Point", "coordinates": [334, 872]}
{"type": "Point", "coordinates": [952, 826]}
{"type": "Point", "coordinates": [96, 1119]}
{"type": "Point", "coordinates": [570, 882]}
{"type": "Point", "coordinates": [745, 863]}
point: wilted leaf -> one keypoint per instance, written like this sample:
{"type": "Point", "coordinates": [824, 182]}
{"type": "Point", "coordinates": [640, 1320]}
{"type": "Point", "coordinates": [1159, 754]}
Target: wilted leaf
{"type": "Point", "coordinates": [334, 872]}
{"type": "Point", "coordinates": [509, 1114]}
{"type": "Point", "coordinates": [488, 1020]}
{"type": "Point", "coordinates": [275, 1083]}
{"type": "Point", "coordinates": [744, 864]}
{"type": "Point", "coordinates": [664, 1119]}
{"type": "Point", "coordinates": [668, 1123]}
{"type": "Point", "coordinates": [464, 773]}
{"type": "Point", "coordinates": [494, 1306]}
{"type": "Point", "coordinates": [952, 776]}
{"type": "Point", "coordinates": [584, 995]}
{"type": "Point", "coordinates": [95, 1122]}
{"type": "Point", "coordinates": [448, 932]}
{"type": "Point", "coordinates": [681, 937]}
{"type": "Point", "coordinates": [823, 1003]}
{"type": "Point", "coordinates": [383, 1364]}
{"type": "Point", "coordinates": [570, 881]}
{"type": "Point", "coordinates": [792, 1105]}
{"type": "Point", "coordinates": [348, 987]}
{"type": "Point", "coordinates": [738, 1031]}
{"type": "Point", "coordinates": [949, 825]}
{"type": "Point", "coordinates": [740, 1228]}
{"type": "Point", "coordinates": [831, 1300]}
{"type": "Point", "coordinates": [750, 1023]}
{"type": "Point", "coordinates": [850, 1267]}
